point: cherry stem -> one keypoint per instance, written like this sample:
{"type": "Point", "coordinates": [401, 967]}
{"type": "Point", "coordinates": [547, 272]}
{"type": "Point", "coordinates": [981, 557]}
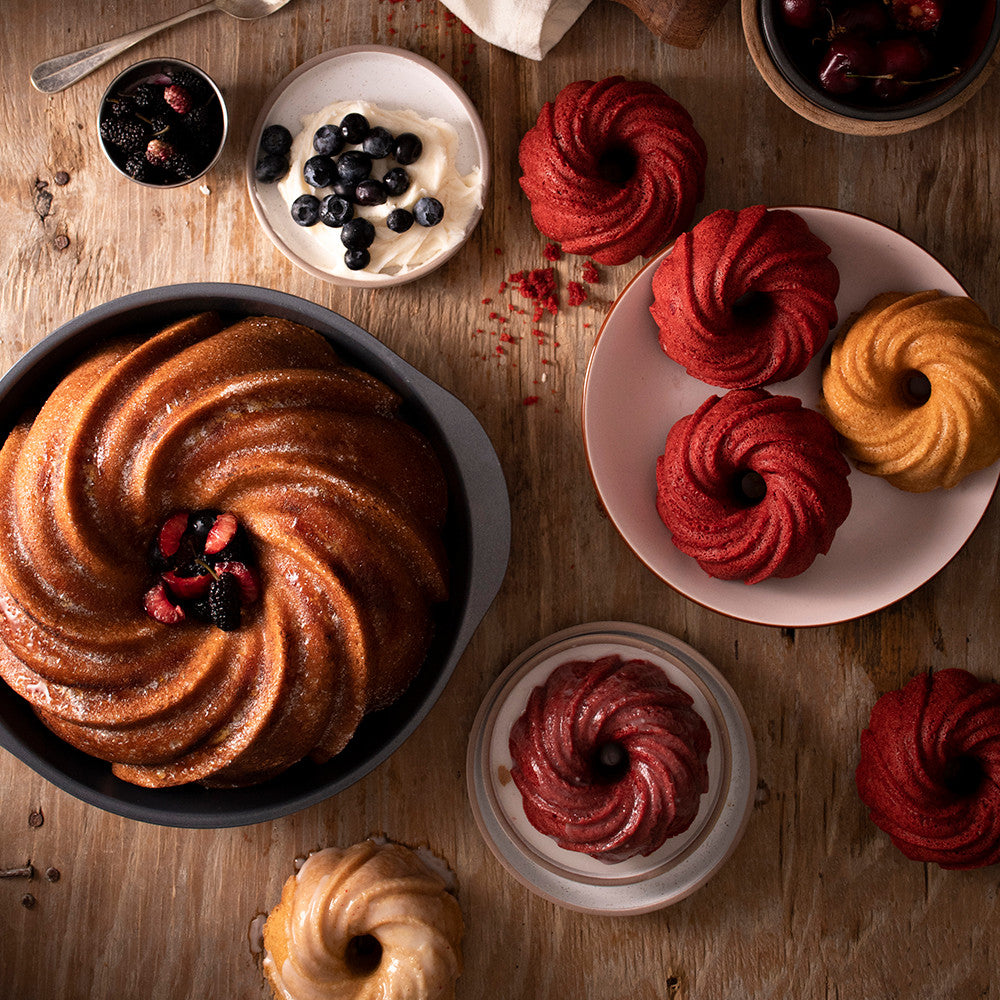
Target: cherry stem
{"type": "Point", "coordinates": [208, 569]}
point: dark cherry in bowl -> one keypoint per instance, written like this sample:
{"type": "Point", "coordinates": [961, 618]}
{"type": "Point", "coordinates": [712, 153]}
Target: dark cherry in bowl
{"type": "Point", "coordinates": [960, 47]}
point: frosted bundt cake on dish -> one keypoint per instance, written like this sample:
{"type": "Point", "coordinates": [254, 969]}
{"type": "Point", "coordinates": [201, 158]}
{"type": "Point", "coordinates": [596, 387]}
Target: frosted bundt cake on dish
{"type": "Point", "coordinates": [930, 769]}
{"type": "Point", "coordinates": [613, 169]}
{"type": "Point", "coordinates": [369, 922]}
{"type": "Point", "coordinates": [752, 485]}
{"type": "Point", "coordinates": [745, 298]}
{"type": "Point", "coordinates": [222, 548]}
{"type": "Point", "coordinates": [610, 758]}
{"type": "Point", "coordinates": [913, 388]}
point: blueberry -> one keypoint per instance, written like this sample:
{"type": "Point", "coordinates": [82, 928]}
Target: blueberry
{"type": "Point", "coordinates": [271, 167]}
{"type": "Point", "coordinates": [335, 211]}
{"type": "Point", "coordinates": [354, 127]}
{"type": "Point", "coordinates": [305, 210]}
{"type": "Point", "coordinates": [328, 140]}
{"type": "Point", "coordinates": [354, 166]}
{"type": "Point", "coordinates": [378, 143]}
{"type": "Point", "coordinates": [276, 139]}
{"type": "Point", "coordinates": [318, 171]}
{"type": "Point", "coordinates": [344, 190]}
{"type": "Point", "coordinates": [428, 211]}
{"type": "Point", "coordinates": [357, 234]}
{"type": "Point", "coordinates": [370, 192]}
{"type": "Point", "coordinates": [356, 260]}
{"type": "Point", "coordinates": [399, 220]}
{"type": "Point", "coordinates": [396, 181]}
{"type": "Point", "coordinates": [408, 148]}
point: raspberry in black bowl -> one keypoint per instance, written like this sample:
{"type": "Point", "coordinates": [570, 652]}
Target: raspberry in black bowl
{"type": "Point", "coordinates": [163, 122]}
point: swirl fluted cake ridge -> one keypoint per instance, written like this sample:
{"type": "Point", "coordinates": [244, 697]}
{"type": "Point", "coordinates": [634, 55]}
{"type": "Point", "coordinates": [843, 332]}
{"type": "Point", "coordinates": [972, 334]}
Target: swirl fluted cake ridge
{"type": "Point", "coordinates": [342, 500]}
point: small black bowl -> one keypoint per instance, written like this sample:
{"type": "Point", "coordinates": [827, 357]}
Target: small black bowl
{"type": "Point", "coordinates": [477, 541]}
{"type": "Point", "coordinates": [195, 136]}
{"type": "Point", "coordinates": [788, 59]}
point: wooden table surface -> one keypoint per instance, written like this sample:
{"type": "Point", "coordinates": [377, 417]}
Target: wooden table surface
{"type": "Point", "coordinates": [815, 903]}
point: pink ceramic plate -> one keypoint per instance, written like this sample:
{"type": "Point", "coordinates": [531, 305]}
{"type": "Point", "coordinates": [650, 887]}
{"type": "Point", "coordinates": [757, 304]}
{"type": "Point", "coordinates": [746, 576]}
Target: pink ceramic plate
{"type": "Point", "coordinates": [891, 543]}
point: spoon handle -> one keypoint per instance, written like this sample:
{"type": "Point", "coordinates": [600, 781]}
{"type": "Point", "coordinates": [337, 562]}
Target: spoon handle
{"type": "Point", "coordinates": [59, 73]}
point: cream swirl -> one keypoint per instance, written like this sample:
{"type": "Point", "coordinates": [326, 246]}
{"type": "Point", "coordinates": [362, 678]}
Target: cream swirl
{"type": "Point", "coordinates": [368, 922]}
{"type": "Point", "coordinates": [341, 500]}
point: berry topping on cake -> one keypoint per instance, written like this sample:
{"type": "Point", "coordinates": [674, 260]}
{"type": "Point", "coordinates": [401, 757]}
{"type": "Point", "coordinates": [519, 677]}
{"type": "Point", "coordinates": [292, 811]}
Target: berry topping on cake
{"type": "Point", "coordinates": [205, 568]}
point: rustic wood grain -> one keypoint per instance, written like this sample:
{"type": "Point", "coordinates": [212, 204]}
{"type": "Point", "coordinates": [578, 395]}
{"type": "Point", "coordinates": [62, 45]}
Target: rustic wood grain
{"type": "Point", "coordinates": [815, 903]}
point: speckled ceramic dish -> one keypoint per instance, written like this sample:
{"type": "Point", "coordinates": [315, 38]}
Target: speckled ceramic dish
{"type": "Point", "coordinates": [390, 78]}
{"type": "Point", "coordinates": [574, 880]}
{"type": "Point", "coordinates": [477, 536]}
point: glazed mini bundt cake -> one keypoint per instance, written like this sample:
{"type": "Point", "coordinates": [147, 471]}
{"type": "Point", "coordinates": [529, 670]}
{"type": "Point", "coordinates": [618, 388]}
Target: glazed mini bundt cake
{"type": "Point", "coordinates": [613, 169]}
{"type": "Point", "coordinates": [610, 758]}
{"type": "Point", "coordinates": [369, 922]}
{"type": "Point", "coordinates": [745, 298]}
{"type": "Point", "coordinates": [913, 388]}
{"type": "Point", "coordinates": [222, 548]}
{"type": "Point", "coordinates": [929, 771]}
{"type": "Point", "coordinates": [752, 485]}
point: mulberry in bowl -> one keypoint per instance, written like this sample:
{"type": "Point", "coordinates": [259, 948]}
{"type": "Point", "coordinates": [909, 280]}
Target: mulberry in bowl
{"type": "Point", "coordinates": [124, 705]}
{"type": "Point", "coordinates": [163, 122]}
{"type": "Point", "coordinates": [873, 67]}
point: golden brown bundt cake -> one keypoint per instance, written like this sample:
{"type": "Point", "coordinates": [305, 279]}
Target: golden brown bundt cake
{"type": "Point", "coordinates": [221, 550]}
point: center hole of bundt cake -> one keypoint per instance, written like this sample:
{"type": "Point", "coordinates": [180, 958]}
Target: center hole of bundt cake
{"type": "Point", "coordinates": [617, 164]}
{"type": "Point", "coordinates": [916, 388]}
{"type": "Point", "coordinates": [752, 308]}
{"type": "Point", "coordinates": [963, 775]}
{"type": "Point", "coordinates": [749, 487]}
{"type": "Point", "coordinates": [610, 761]}
{"type": "Point", "coordinates": [364, 953]}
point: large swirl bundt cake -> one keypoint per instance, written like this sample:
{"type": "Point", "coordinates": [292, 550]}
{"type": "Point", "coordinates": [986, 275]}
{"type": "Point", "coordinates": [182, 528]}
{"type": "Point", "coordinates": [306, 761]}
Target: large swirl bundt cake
{"type": "Point", "coordinates": [370, 922]}
{"type": "Point", "coordinates": [745, 298]}
{"type": "Point", "coordinates": [238, 476]}
{"type": "Point", "coordinates": [752, 485]}
{"type": "Point", "coordinates": [930, 769]}
{"type": "Point", "coordinates": [610, 758]}
{"type": "Point", "coordinates": [913, 388]}
{"type": "Point", "coordinates": [613, 169]}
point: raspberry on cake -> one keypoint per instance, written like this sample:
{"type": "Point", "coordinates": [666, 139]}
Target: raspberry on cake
{"type": "Point", "coordinates": [929, 771]}
{"type": "Point", "coordinates": [913, 388]}
{"type": "Point", "coordinates": [745, 298]}
{"type": "Point", "coordinates": [222, 549]}
{"type": "Point", "coordinates": [752, 485]}
{"type": "Point", "coordinates": [613, 169]}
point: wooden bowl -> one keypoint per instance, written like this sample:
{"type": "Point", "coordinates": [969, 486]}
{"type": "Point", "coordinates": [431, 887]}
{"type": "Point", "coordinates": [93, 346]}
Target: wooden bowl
{"type": "Point", "coordinates": [824, 109]}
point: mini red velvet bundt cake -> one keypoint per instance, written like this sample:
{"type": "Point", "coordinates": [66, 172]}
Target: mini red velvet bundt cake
{"type": "Point", "coordinates": [745, 298]}
{"type": "Point", "coordinates": [613, 169]}
{"type": "Point", "coordinates": [943, 346]}
{"type": "Point", "coordinates": [610, 758]}
{"type": "Point", "coordinates": [155, 458]}
{"type": "Point", "coordinates": [752, 485]}
{"type": "Point", "coordinates": [930, 769]}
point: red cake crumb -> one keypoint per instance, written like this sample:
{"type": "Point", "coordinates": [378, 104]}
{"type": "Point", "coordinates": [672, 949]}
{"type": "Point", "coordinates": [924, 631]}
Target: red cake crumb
{"type": "Point", "coordinates": [577, 293]}
{"type": "Point", "coordinates": [590, 273]}
{"type": "Point", "coordinates": [552, 252]}
{"type": "Point", "coordinates": [530, 400]}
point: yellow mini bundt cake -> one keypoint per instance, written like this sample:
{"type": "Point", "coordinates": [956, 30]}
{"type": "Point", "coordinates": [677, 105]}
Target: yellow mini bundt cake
{"type": "Point", "coordinates": [913, 388]}
{"type": "Point", "coordinates": [368, 922]}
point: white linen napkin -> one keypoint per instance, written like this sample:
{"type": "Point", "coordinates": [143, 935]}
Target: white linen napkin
{"type": "Point", "coordinates": [528, 27]}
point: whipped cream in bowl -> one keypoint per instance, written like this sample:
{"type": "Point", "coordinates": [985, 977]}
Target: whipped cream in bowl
{"type": "Point", "coordinates": [402, 93]}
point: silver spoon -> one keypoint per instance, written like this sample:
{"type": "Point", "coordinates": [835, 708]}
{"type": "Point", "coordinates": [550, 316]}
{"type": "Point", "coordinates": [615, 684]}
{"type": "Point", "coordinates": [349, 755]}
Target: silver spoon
{"type": "Point", "coordinates": [57, 74]}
